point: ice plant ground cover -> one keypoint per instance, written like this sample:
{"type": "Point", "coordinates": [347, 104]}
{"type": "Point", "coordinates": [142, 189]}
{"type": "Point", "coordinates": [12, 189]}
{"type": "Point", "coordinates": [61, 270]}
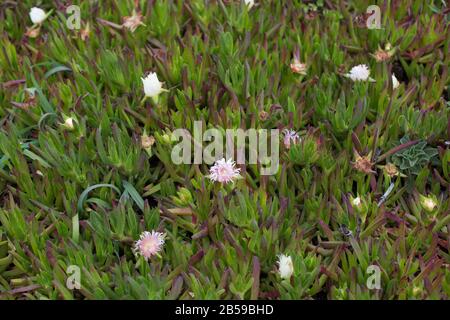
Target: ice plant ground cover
{"type": "Point", "coordinates": [92, 206]}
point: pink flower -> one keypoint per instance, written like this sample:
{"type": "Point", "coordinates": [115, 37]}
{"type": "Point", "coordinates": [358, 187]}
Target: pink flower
{"type": "Point", "coordinates": [224, 171]}
{"type": "Point", "coordinates": [298, 67]}
{"type": "Point", "coordinates": [290, 136]}
{"type": "Point", "coordinates": [133, 22]}
{"type": "Point", "coordinates": [149, 244]}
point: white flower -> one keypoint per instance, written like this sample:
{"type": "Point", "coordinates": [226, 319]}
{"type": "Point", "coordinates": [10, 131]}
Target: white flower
{"type": "Point", "coordinates": [149, 244]}
{"type": "Point", "coordinates": [152, 86]}
{"type": "Point", "coordinates": [356, 202]}
{"type": "Point", "coordinates": [428, 203]}
{"type": "Point", "coordinates": [37, 15]}
{"type": "Point", "coordinates": [360, 73]}
{"type": "Point", "coordinates": [290, 136]}
{"type": "Point", "coordinates": [224, 171]}
{"type": "Point", "coordinates": [285, 266]}
{"type": "Point", "coordinates": [69, 123]}
{"type": "Point", "coordinates": [395, 82]}
{"type": "Point", "coordinates": [249, 3]}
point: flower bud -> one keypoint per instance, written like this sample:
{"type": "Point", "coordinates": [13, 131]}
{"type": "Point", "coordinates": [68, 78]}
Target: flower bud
{"type": "Point", "coordinates": [428, 203]}
{"type": "Point", "coordinates": [37, 15]}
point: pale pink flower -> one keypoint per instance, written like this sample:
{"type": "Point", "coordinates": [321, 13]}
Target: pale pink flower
{"type": "Point", "coordinates": [149, 244]}
{"type": "Point", "coordinates": [290, 136]}
{"type": "Point", "coordinates": [133, 22]}
{"type": "Point", "coordinates": [224, 171]}
{"type": "Point", "coordinates": [298, 67]}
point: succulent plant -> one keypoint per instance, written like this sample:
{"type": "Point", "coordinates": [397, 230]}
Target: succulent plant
{"type": "Point", "coordinates": [88, 119]}
{"type": "Point", "coordinates": [412, 159]}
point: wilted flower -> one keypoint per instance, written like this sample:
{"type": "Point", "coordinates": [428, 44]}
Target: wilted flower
{"type": "Point", "coordinates": [149, 244]}
{"type": "Point", "coordinates": [37, 15]}
{"type": "Point", "coordinates": [381, 55]}
{"type": "Point", "coordinates": [224, 171]}
{"type": "Point", "coordinates": [249, 3]}
{"type": "Point", "coordinates": [285, 266]}
{"type": "Point", "coordinates": [360, 72]}
{"type": "Point", "coordinates": [290, 136]}
{"type": "Point", "coordinates": [384, 55]}
{"type": "Point", "coordinates": [428, 203]}
{"type": "Point", "coordinates": [298, 67]}
{"type": "Point", "coordinates": [263, 115]}
{"type": "Point", "coordinates": [363, 164]}
{"type": "Point", "coordinates": [391, 170]}
{"type": "Point", "coordinates": [131, 23]}
{"type": "Point", "coordinates": [311, 14]}
{"type": "Point", "coordinates": [395, 82]}
{"type": "Point", "coordinates": [152, 86]}
{"type": "Point", "coordinates": [84, 33]}
{"type": "Point", "coordinates": [147, 141]}
{"type": "Point", "coordinates": [32, 32]}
